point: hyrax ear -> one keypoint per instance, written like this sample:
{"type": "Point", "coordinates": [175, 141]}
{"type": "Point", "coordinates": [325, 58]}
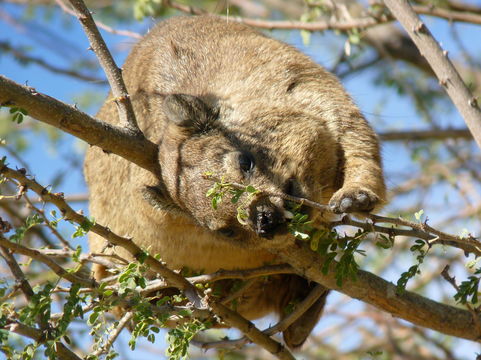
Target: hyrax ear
{"type": "Point", "coordinates": [188, 112]}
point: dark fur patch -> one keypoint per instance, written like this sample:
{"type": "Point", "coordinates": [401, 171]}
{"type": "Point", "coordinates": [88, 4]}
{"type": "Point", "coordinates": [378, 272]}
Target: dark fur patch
{"type": "Point", "coordinates": [158, 199]}
{"type": "Point", "coordinates": [292, 86]}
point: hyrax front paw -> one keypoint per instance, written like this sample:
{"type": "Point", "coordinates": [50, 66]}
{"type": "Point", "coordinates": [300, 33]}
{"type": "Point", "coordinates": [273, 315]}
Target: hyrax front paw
{"type": "Point", "coordinates": [353, 199]}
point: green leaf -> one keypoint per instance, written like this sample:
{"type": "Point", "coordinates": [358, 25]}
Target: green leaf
{"type": "Point", "coordinates": [211, 191]}
{"type": "Point", "coordinates": [419, 214]}
{"type": "Point", "coordinates": [93, 318]}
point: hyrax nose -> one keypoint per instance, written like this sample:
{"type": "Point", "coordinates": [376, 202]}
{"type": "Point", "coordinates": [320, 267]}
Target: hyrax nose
{"type": "Point", "coordinates": [267, 220]}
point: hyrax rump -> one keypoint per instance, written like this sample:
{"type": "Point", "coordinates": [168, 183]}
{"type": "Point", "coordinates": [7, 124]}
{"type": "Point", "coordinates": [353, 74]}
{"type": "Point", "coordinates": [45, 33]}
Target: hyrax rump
{"type": "Point", "coordinates": [220, 97]}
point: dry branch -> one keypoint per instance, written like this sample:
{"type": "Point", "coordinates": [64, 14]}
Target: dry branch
{"type": "Point", "coordinates": [383, 295]}
{"type": "Point", "coordinates": [22, 56]}
{"type": "Point", "coordinates": [34, 254]}
{"type": "Point", "coordinates": [100, 24]}
{"type": "Point", "coordinates": [63, 352]}
{"type": "Point", "coordinates": [17, 272]}
{"type": "Point", "coordinates": [113, 73]}
{"type": "Point", "coordinates": [450, 15]}
{"type": "Point", "coordinates": [425, 135]}
{"type": "Point", "coordinates": [250, 331]}
{"type": "Point", "coordinates": [112, 139]}
{"type": "Point", "coordinates": [231, 318]}
{"type": "Point", "coordinates": [448, 77]}
{"type": "Point", "coordinates": [368, 287]}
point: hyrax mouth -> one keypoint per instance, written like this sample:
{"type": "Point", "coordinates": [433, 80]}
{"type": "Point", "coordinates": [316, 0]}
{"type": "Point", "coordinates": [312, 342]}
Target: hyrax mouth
{"type": "Point", "coordinates": [266, 219]}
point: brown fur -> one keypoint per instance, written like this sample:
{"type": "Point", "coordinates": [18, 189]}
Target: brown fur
{"type": "Point", "coordinates": [248, 94]}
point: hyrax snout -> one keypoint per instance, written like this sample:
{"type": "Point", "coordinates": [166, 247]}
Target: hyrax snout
{"type": "Point", "coordinates": [220, 97]}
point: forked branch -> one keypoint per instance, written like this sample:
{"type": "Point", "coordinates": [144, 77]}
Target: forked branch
{"type": "Point", "coordinates": [448, 76]}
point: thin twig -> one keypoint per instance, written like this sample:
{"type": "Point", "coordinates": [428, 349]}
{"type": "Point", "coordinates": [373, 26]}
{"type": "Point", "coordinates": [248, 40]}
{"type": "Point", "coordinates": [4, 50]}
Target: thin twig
{"type": "Point", "coordinates": [113, 73]}
{"type": "Point", "coordinates": [451, 280]}
{"type": "Point", "coordinates": [235, 294]}
{"type": "Point", "coordinates": [29, 59]}
{"type": "Point", "coordinates": [71, 198]}
{"type": "Point", "coordinates": [422, 135]}
{"type": "Point", "coordinates": [450, 15]}
{"type": "Point", "coordinates": [54, 231]}
{"type": "Point", "coordinates": [34, 254]}
{"type": "Point", "coordinates": [123, 322]}
{"type": "Point", "coordinates": [360, 23]}
{"type": "Point", "coordinates": [17, 272]}
{"type": "Point", "coordinates": [232, 318]}
{"type": "Point", "coordinates": [243, 274]}
{"type": "Point", "coordinates": [300, 309]}
{"type": "Point", "coordinates": [100, 24]}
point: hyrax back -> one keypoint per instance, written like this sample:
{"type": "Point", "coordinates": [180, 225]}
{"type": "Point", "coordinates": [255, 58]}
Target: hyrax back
{"type": "Point", "coordinates": [218, 96]}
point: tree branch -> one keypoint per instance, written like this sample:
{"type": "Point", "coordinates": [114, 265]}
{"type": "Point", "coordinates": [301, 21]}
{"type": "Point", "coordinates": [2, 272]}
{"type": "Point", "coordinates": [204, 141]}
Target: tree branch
{"type": "Point", "coordinates": [100, 24]}
{"type": "Point", "coordinates": [114, 335]}
{"type": "Point", "coordinates": [425, 135]}
{"type": "Point", "coordinates": [368, 287]}
{"type": "Point", "coordinates": [63, 352]}
{"type": "Point", "coordinates": [114, 239]}
{"type": "Point", "coordinates": [113, 73]}
{"type": "Point", "coordinates": [383, 295]}
{"type": "Point", "coordinates": [112, 139]}
{"type": "Point", "coordinates": [288, 25]}
{"type": "Point", "coordinates": [300, 309]}
{"type": "Point", "coordinates": [442, 66]}
{"type": "Point", "coordinates": [231, 318]}
{"type": "Point", "coordinates": [34, 254]}
{"type": "Point", "coordinates": [17, 272]}
{"type": "Point", "coordinates": [451, 15]}
{"type": "Point", "coordinates": [29, 59]}
{"type": "Point", "coordinates": [253, 333]}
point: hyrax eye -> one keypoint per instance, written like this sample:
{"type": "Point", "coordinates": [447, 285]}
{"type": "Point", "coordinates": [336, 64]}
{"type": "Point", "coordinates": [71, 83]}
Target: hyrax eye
{"type": "Point", "coordinates": [246, 162]}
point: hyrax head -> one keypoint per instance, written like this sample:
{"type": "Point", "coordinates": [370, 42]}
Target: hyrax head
{"type": "Point", "coordinates": [193, 143]}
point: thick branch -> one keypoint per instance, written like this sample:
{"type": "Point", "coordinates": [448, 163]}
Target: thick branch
{"type": "Point", "coordinates": [442, 66]}
{"type": "Point", "coordinates": [383, 294]}
{"type": "Point", "coordinates": [110, 138]}
{"type": "Point", "coordinates": [113, 73]}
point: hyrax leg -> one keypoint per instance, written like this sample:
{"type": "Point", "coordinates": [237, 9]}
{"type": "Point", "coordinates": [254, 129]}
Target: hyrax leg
{"type": "Point", "coordinates": [361, 180]}
{"type": "Point", "coordinates": [296, 334]}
